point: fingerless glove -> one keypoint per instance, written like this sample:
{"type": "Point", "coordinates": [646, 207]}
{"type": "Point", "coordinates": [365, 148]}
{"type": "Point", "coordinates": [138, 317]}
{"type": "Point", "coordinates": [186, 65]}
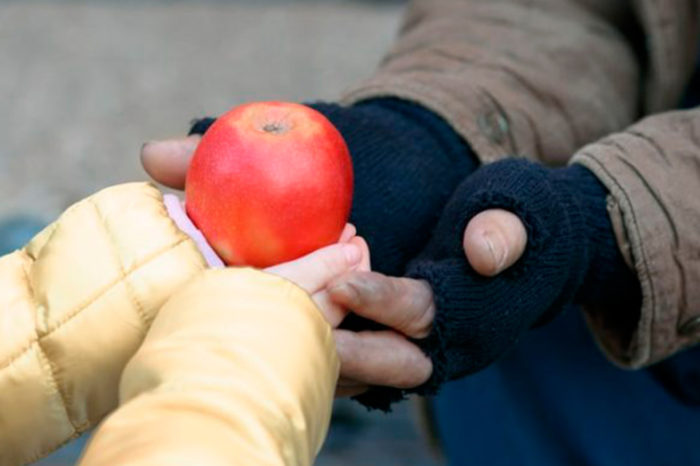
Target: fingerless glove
{"type": "Point", "coordinates": [571, 257]}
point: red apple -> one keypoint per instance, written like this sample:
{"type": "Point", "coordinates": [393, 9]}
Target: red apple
{"type": "Point", "coordinates": [270, 182]}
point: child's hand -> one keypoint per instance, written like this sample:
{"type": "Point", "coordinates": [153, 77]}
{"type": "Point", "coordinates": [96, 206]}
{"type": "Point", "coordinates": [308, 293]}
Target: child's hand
{"type": "Point", "coordinates": [315, 271]}
{"type": "Point", "coordinates": [311, 272]}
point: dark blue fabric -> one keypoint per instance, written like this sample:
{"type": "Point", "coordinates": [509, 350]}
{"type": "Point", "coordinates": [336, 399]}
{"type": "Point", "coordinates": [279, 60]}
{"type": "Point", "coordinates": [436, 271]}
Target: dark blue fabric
{"type": "Point", "coordinates": [407, 162]}
{"type": "Point", "coordinates": [555, 400]}
{"type": "Point", "coordinates": [571, 256]}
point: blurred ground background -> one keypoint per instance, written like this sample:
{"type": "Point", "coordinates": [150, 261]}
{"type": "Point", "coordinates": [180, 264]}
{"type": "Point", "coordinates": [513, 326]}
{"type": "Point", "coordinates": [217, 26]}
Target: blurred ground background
{"type": "Point", "coordinates": [85, 83]}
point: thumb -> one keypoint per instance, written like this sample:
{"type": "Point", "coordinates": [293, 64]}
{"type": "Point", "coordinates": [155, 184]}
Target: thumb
{"type": "Point", "coordinates": [167, 161]}
{"type": "Point", "coordinates": [494, 240]}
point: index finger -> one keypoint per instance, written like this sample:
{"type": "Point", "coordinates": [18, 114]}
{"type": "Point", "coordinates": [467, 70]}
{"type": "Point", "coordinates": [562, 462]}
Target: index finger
{"type": "Point", "coordinates": [404, 304]}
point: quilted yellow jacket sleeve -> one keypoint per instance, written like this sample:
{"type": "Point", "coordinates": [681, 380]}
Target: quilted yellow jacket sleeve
{"type": "Point", "coordinates": [238, 359]}
{"type": "Point", "coordinates": [238, 368]}
{"type": "Point", "coordinates": [75, 304]}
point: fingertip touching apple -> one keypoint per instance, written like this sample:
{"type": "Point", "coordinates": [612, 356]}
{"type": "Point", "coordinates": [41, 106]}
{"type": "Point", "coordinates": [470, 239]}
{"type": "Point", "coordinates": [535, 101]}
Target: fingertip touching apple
{"type": "Point", "coordinates": [270, 182]}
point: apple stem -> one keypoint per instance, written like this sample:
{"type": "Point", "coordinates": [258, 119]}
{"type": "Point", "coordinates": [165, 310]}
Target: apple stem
{"type": "Point", "coordinates": [274, 128]}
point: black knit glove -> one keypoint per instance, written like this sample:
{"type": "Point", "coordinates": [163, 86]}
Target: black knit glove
{"type": "Point", "coordinates": [571, 257]}
{"type": "Point", "coordinates": [407, 161]}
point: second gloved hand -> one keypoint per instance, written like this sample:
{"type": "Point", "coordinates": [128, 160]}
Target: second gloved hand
{"type": "Point", "coordinates": [571, 257]}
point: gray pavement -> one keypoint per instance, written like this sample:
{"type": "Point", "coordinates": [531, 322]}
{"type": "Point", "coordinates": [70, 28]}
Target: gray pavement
{"type": "Point", "coordinates": [84, 84]}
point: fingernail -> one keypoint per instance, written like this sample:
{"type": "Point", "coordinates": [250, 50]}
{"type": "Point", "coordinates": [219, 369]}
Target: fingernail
{"type": "Point", "coordinates": [352, 253]}
{"type": "Point", "coordinates": [145, 144]}
{"type": "Point", "coordinates": [497, 250]}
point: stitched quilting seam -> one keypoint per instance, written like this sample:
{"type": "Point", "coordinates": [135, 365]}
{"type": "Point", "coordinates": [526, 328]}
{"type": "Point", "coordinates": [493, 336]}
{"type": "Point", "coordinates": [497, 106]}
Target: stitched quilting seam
{"type": "Point", "coordinates": [53, 382]}
{"type": "Point", "coordinates": [97, 296]}
{"type": "Point", "coordinates": [138, 307]}
{"type": "Point", "coordinates": [50, 231]}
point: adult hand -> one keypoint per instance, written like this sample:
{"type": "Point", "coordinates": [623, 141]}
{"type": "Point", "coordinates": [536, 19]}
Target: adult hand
{"type": "Point", "coordinates": [338, 279]}
{"type": "Point", "coordinates": [382, 357]}
{"type": "Point", "coordinates": [493, 241]}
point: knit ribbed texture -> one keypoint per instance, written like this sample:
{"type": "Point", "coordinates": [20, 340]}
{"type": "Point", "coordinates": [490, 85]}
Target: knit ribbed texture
{"type": "Point", "coordinates": [571, 256]}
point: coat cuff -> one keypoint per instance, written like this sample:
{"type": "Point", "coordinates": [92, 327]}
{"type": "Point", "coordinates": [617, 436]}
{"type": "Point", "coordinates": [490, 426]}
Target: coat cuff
{"type": "Point", "coordinates": [639, 206]}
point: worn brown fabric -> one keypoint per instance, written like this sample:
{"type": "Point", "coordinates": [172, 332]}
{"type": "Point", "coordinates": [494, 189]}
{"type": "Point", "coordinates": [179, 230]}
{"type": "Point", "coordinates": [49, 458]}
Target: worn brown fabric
{"type": "Point", "coordinates": [532, 79]}
{"type": "Point", "coordinates": [652, 171]}
{"type": "Point", "coordinates": [541, 79]}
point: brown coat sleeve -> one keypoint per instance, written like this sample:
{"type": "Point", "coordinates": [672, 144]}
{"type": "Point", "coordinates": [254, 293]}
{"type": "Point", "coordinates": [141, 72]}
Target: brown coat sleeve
{"type": "Point", "coordinates": [537, 79]}
{"type": "Point", "coordinates": [541, 79]}
{"type": "Point", "coordinates": [652, 171]}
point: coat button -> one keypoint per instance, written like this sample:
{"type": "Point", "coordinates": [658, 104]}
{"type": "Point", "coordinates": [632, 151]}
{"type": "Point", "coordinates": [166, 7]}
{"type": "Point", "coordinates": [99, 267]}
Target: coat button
{"type": "Point", "coordinates": [494, 126]}
{"type": "Point", "coordinates": [690, 326]}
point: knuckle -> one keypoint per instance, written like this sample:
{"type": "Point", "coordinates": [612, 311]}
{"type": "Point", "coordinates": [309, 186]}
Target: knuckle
{"type": "Point", "coordinates": [421, 368]}
{"type": "Point", "coordinates": [367, 289]}
{"type": "Point", "coordinates": [423, 322]}
{"type": "Point", "coordinates": [419, 308]}
{"type": "Point", "coordinates": [354, 293]}
{"type": "Point", "coordinates": [377, 288]}
{"type": "Point", "coordinates": [349, 352]}
{"type": "Point", "coordinates": [414, 369]}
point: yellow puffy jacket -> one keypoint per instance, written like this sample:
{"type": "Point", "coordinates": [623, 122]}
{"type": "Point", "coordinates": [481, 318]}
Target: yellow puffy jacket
{"type": "Point", "coordinates": [237, 366]}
